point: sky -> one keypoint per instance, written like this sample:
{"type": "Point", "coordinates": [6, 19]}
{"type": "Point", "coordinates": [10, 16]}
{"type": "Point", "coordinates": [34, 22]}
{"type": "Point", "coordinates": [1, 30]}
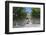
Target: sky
{"type": "Point", "coordinates": [28, 9]}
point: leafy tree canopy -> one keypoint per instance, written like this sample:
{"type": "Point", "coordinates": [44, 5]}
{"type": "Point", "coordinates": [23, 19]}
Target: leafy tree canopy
{"type": "Point", "coordinates": [36, 12]}
{"type": "Point", "coordinates": [19, 13]}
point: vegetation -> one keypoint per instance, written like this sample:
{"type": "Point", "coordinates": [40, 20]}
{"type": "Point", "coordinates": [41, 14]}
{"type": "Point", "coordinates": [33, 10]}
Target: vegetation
{"type": "Point", "coordinates": [18, 13]}
{"type": "Point", "coordinates": [35, 12]}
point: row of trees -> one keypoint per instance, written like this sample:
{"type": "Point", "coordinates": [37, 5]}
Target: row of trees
{"type": "Point", "coordinates": [19, 13]}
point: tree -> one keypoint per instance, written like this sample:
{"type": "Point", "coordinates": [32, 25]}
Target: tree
{"type": "Point", "coordinates": [36, 12]}
{"type": "Point", "coordinates": [19, 13]}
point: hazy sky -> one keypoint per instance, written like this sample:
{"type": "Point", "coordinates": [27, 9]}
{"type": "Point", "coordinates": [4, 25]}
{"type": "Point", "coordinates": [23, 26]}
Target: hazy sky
{"type": "Point", "coordinates": [28, 9]}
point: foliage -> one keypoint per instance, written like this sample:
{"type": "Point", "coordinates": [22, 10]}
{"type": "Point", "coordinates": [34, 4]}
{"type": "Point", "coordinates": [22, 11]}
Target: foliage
{"type": "Point", "coordinates": [36, 12]}
{"type": "Point", "coordinates": [19, 13]}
